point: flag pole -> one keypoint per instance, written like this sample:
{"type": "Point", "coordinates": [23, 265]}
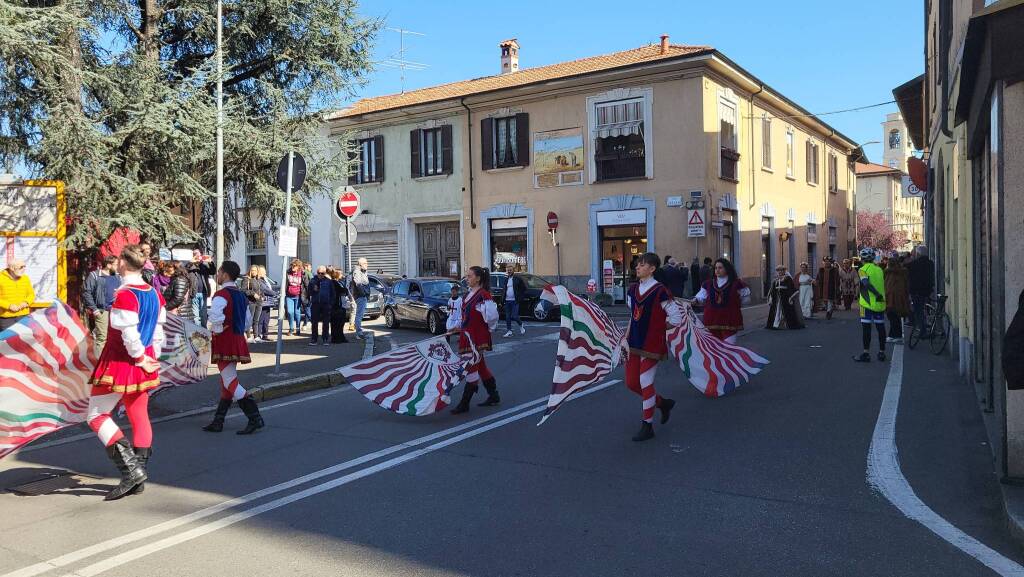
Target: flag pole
{"type": "Point", "coordinates": [220, 138]}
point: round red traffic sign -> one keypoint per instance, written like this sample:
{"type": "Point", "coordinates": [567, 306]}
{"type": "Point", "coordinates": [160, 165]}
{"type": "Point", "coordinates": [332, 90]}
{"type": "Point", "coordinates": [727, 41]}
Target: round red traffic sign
{"type": "Point", "coordinates": [552, 221]}
{"type": "Point", "coordinates": [348, 204]}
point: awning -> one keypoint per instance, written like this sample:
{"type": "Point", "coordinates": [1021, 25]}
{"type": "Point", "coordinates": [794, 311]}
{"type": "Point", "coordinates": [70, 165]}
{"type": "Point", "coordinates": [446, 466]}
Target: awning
{"type": "Point", "coordinates": [992, 51]}
{"type": "Point", "coordinates": [910, 100]}
{"type": "Point", "coordinates": [619, 129]}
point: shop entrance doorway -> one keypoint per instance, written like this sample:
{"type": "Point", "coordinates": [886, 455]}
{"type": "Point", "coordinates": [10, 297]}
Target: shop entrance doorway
{"type": "Point", "coordinates": [621, 247]}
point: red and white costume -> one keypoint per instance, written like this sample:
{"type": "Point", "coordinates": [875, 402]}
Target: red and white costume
{"type": "Point", "coordinates": [652, 309]}
{"type": "Point", "coordinates": [229, 315]}
{"type": "Point", "coordinates": [136, 332]}
{"type": "Point", "coordinates": [479, 317]}
{"type": "Point", "coordinates": [722, 315]}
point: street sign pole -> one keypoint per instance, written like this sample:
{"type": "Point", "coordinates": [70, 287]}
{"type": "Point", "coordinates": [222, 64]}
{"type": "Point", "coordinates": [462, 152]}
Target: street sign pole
{"type": "Point", "coordinates": [348, 247]}
{"type": "Point", "coordinates": [284, 266]}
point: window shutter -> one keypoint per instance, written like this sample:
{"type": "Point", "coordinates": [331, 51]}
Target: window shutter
{"type": "Point", "coordinates": [353, 162]}
{"type": "Point", "coordinates": [446, 149]}
{"type": "Point", "coordinates": [414, 153]}
{"type": "Point", "coordinates": [810, 159]}
{"type": "Point", "coordinates": [378, 157]}
{"type": "Point", "coordinates": [487, 144]}
{"type": "Point", "coordinates": [523, 139]}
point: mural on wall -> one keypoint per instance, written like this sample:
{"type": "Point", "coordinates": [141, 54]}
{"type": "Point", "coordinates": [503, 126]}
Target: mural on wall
{"type": "Point", "coordinates": [558, 158]}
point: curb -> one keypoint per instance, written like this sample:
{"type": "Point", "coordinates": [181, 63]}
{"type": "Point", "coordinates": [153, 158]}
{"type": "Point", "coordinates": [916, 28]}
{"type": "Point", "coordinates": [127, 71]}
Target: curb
{"type": "Point", "coordinates": [307, 383]}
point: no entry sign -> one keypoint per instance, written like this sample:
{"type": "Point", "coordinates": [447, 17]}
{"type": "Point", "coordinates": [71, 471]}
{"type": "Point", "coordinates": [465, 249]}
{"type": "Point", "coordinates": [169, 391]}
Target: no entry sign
{"type": "Point", "coordinates": [347, 205]}
{"type": "Point", "coordinates": [552, 221]}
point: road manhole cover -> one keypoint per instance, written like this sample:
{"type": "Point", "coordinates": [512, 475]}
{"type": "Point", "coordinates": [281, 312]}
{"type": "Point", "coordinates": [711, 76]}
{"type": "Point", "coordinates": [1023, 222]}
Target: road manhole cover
{"type": "Point", "coordinates": [52, 482]}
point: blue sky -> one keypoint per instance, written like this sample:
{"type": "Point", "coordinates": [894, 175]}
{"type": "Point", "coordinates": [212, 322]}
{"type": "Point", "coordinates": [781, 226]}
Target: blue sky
{"type": "Point", "coordinates": [823, 55]}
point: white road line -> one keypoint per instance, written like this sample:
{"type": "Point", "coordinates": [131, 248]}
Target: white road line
{"type": "Point", "coordinates": [167, 542]}
{"type": "Point", "coordinates": [885, 476]}
{"type": "Point", "coordinates": [75, 556]}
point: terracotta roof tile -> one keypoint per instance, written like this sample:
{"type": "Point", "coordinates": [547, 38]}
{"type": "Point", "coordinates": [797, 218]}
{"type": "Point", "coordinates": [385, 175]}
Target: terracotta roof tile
{"type": "Point", "coordinates": [650, 53]}
{"type": "Point", "coordinates": [872, 168]}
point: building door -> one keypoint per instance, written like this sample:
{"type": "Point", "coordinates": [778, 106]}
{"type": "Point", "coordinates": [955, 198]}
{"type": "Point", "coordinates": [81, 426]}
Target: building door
{"type": "Point", "coordinates": [621, 247]}
{"type": "Point", "coordinates": [766, 254]}
{"type": "Point", "coordinates": [440, 248]}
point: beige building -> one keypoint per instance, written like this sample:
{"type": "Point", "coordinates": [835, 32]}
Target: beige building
{"type": "Point", "coordinates": [967, 113]}
{"type": "Point", "coordinates": [615, 146]}
{"type": "Point", "coordinates": [880, 189]}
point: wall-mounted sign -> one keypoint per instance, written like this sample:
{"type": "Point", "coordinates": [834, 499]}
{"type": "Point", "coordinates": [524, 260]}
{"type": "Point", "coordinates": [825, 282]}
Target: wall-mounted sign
{"type": "Point", "coordinates": [558, 158]}
{"type": "Point", "coordinates": [674, 201]}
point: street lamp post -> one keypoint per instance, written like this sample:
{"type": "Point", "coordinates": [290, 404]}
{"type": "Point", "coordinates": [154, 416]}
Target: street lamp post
{"type": "Point", "coordinates": [220, 140]}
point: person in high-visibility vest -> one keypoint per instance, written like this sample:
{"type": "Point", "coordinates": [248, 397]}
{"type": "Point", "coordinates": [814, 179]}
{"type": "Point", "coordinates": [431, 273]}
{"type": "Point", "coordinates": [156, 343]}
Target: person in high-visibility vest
{"type": "Point", "coordinates": [872, 304]}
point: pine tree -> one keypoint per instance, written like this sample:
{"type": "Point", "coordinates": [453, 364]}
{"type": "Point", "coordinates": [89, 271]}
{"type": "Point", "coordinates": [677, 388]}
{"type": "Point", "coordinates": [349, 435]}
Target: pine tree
{"type": "Point", "coordinates": [117, 99]}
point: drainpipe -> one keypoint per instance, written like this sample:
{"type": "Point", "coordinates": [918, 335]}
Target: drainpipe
{"type": "Point", "coordinates": [753, 179]}
{"type": "Point", "coordinates": [469, 137]}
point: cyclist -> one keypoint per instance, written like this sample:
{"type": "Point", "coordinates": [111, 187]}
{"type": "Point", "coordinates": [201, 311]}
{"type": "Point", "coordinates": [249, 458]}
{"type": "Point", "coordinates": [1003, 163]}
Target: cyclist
{"type": "Point", "coordinates": [872, 304]}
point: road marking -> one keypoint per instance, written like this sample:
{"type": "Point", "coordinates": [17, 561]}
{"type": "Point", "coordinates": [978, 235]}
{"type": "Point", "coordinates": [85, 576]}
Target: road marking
{"type": "Point", "coordinates": [885, 476]}
{"type": "Point", "coordinates": [167, 542]}
{"type": "Point", "coordinates": [117, 542]}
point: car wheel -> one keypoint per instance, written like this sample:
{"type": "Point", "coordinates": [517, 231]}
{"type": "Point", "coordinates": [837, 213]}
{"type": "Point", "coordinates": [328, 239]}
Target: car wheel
{"type": "Point", "coordinates": [434, 323]}
{"type": "Point", "coordinates": [390, 320]}
{"type": "Point", "coordinates": [539, 313]}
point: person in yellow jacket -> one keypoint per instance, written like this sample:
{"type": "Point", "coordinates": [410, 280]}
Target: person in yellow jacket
{"type": "Point", "coordinates": [16, 294]}
{"type": "Point", "coordinates": [872, 304]}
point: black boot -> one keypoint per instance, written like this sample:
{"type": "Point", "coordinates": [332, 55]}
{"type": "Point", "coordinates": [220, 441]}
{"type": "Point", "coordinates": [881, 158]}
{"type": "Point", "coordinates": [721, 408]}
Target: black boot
{"type": "Point", "coordinates": [666, 409]}
{"type": "Point", "coordinates": [646, 432]}
{"type": "Point", "coordinates": [493, 398]}
{"type": "Point", "coordinates": [467, 395]}
{"type": "Point", "coordinates": [250, 409]}
{"type": "Point", "coordinates": [142, 455]}
{"type": "Point", "coordinates": [217, 425]}
{"type": "Point", "coordinates": [132, 473]}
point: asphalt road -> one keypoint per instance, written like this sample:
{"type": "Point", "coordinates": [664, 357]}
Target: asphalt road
{"type": "Point", "coordinates": [768, 481]}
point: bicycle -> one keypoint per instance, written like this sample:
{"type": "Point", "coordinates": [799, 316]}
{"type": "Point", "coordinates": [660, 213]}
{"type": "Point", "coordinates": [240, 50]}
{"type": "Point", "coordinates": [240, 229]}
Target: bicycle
{"type": "Point", "coordinates": [938, 326]}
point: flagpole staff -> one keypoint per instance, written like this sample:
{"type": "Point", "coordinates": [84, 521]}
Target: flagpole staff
{"type": "Point", "coordinates": [220, 138]}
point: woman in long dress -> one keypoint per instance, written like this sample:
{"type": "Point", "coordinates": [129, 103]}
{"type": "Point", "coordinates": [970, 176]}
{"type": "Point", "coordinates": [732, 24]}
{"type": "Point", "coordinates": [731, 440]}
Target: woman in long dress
{"type": "Point", "coordinates": [806, 283]}
{"type": "Point", "coordinates": [723, 296]}
{"type": "Point", "coordinates": [782, 311]}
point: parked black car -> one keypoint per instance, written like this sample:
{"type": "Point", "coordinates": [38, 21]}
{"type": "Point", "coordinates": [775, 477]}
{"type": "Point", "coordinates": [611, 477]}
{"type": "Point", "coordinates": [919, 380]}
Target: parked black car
{"type": "Point", "coordinates": [532, 306]}
{"type": "Point", "coordinates": [383, 282]}
{"type": "Point", "coordinates": [419, 302]}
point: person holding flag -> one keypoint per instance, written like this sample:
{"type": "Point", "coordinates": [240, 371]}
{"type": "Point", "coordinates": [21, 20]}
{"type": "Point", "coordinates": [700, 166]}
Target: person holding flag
{"type": "Point", "coordinates": [723, 296]}
{"type": "Point", "coordinates": [652, 312]}
{"type": "Point", "coordinates": [479, 316]}
{"type": "Point", "coordinates": [230, 314]}
{"type": "Point", "coordinates": [126, 370]}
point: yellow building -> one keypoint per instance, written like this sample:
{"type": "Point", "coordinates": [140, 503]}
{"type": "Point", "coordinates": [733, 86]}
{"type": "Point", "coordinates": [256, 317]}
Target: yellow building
{"type": "Point", "coordinates": [617, 146]}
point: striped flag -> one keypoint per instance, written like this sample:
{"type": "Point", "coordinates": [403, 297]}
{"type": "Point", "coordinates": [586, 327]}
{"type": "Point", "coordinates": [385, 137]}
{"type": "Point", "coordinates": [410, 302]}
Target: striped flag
{"type": "Point", "coordinates": [185, 356]}
{"type": "Point", "coordinates": [714, 367]}
{"type": "Point", "coordinates": [589, 346]}
{"type": "Point", "coordinates": [415, 379]}
{"type": "Point", "coordinates": [45, 363]}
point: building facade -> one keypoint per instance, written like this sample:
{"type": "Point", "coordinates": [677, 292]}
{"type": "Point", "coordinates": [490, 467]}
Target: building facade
{"type": "Point", "coordinates": [880, 189]}
{"type": "Point", "coordinates": [967, 113]}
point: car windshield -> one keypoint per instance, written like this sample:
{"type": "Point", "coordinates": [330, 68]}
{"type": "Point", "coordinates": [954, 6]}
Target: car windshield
{"type": "Point", "coordinates": [438, 289]}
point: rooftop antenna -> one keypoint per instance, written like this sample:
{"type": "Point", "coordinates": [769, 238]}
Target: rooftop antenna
{"type": "Point", "coordinates": [398, 60]}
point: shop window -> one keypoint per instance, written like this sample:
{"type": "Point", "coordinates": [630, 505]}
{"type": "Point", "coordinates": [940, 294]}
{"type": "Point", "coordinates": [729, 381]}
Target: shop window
{"type": "Point", "coordinates": [509, 244]}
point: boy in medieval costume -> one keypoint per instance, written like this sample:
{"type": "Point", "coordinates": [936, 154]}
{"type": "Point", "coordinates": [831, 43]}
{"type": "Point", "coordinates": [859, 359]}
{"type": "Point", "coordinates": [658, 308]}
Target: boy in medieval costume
{"type": "Point", "coordinates": [653, 311]}
{"type": "Point", "coordinates": [722, 296]}
{"type": "Point", "coordinates": [126, 370]}
{"type": "Point", "coordinates": [229, 317]}
{"type": "Point", "coordinates": [479, 315]}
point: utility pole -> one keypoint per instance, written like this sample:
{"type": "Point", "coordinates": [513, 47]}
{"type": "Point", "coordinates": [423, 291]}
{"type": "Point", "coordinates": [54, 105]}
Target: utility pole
{"type": "Point", "coordinates": [220, 138]}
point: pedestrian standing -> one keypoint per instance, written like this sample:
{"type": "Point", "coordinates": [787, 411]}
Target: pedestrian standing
{"type": "Point", "coordinates": [805, 281]}
{"type": "Point", "coordinates": [293, 296]}
{"type": "Point", "coordinates": [162, 276]}
{"type": "Point", "coordinates": [270, 297]}
{"type": "Point", "coordinates": [921, 278]}
{"type": "Point", "coordinates": [695, 281]}
{"type": "Point", "coordinates": [340, 307]}
{"type": "Point", "coordinates": [149, 269]}
{"type": "Point", "coordinates": [228, 321]}
{"type": "Point", "coordinates": [125, 372]}
{"type": "Point", "coordinates": [359, 289]}
{"type": "Point", "coordinates": [307, 312]}
{"type": "Point", "coordinates": [848, 282]}
{"type": "Point", "coordinates": [897, 298]}
{"type": "Point", "coordinates": [200, 270]}
{"type": "Point", "coordinates": [479, 316]}
{"type": "Point", "coordinates": [253, 290]}
{"type": "Point", "coordinates": [724, 297]}
{"type": "Point", "coordinates": [515, 295]}
{"type": "Point", "coordinates": [827, 285]}
{"type": "Point", "coordinates": [782, 310]}
{"type": "Point", "coordinates": [177, 295]}
{"type": "Point", "coordinates": [98, 297]}
{"type": "Point", "coordinates": [675, 278]}
{"type": "Point", "coordinates": [16, 294]}
{"type": "Point", "coordinates": [321, 295]}
{"type": "Point", "coordinates": [872, 304]}
{"type": "Point", "coordinates": [653, 311]}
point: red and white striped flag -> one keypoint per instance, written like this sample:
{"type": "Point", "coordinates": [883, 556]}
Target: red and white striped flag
{"type": "Point", "coordinates": [45, 363]}
{"type": "Point", "coordinates": [713, 366]}
{"type": "Point", "coordinates": [415, 379]}
{"type": "Point", "coordinates": [589, 347]}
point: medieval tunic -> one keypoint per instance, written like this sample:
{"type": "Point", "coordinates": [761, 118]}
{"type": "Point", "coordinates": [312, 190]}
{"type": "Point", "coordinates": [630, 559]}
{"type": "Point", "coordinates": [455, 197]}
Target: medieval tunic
{"type": "Point", "coordinates": [781, 309]}
{"type": "Point", "coordinates": [806, 282]}
{"type": "Point", "coordinates": [136, 331]}
{"type": "Point", "coordinates": [828, 283]}
{"type": "Point", "coordinates": [478, 314]}
{"type": "Point", "coordinates": [652, 311]}
{"type": "Point", "coordinates": [228, 320]}
{"type": "Point", "coordinates": [848, 283]}
{"type": "Point", "coordinates": [722, 298]}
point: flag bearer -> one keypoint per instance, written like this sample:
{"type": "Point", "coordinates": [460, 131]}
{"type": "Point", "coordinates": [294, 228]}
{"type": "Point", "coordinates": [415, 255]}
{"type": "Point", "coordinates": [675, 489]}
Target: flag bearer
{"type": "Point", "coordinates": [479, 316]}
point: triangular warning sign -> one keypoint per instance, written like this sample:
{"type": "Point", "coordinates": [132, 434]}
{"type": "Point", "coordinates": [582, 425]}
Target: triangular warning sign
{"type": "Point", "coordinates": [695, 218]}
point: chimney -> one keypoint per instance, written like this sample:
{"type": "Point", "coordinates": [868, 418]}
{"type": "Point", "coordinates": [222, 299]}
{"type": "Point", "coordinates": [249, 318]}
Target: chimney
{"type": "Point", "coordinates": [509, 56]}
{"type": "Point", "coordinates": [664, 43]}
